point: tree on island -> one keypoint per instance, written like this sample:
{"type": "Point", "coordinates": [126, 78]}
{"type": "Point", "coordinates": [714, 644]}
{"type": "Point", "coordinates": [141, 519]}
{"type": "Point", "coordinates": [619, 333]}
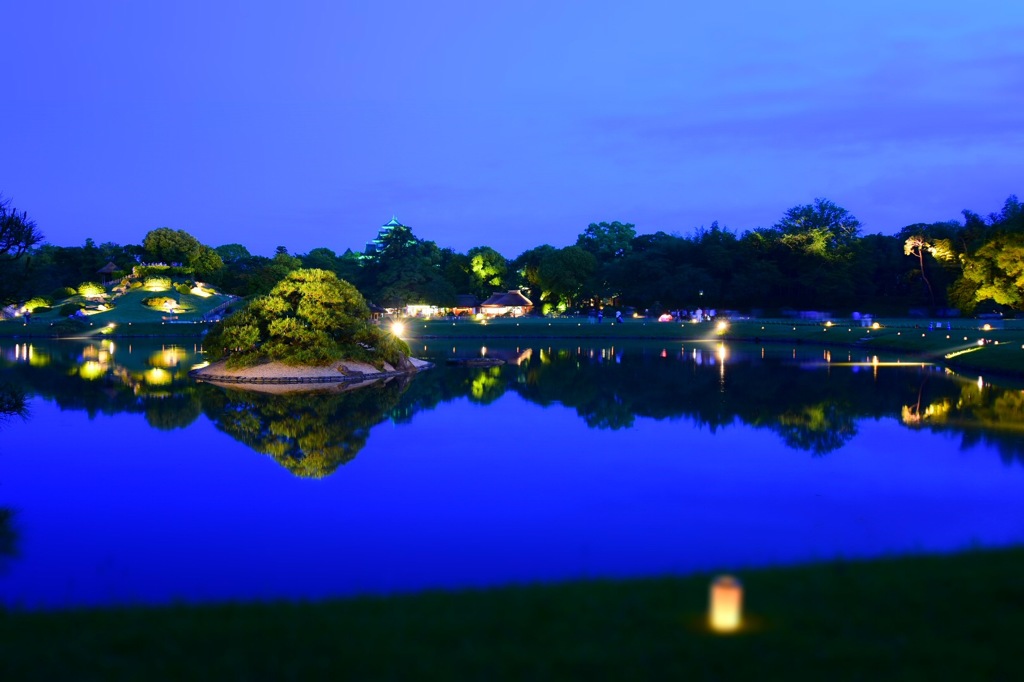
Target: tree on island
{"type": "Point", "coordinates": [309, 318]}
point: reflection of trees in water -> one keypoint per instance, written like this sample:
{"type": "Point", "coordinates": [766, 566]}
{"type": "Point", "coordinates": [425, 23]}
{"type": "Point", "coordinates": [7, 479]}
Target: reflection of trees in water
{"type": "Point", "coordinates": [174, 411]}
{"type": "Point", "coordinates": [980, 414]}
{"type": "Point", "coordinates": [113, 388]}
{"type": "Point", "coordinates": [310, 433]}
{"type": "Point", "coordinates": [814, 410]}
{"type": "Point", "coordinates": [12, 404]}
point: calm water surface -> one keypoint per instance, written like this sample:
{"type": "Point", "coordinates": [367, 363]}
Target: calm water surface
{"type": "Point", "coordinates": [131, 484]}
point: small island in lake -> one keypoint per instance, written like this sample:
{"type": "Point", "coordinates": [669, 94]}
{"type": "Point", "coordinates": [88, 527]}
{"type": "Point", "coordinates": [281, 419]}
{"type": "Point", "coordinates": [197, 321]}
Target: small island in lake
{"type": "Point", "coordinates": [312, 329]}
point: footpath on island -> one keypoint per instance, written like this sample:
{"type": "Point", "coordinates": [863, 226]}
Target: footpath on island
{"type": "Point", "coordinates": [277, 377]}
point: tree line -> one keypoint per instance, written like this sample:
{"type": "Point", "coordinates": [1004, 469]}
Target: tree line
{"type": "Point", "coordinates": [814, 257]}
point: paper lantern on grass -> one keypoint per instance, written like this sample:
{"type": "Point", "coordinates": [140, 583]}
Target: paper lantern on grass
{"type": "Point", "coordinates": [726, 604]}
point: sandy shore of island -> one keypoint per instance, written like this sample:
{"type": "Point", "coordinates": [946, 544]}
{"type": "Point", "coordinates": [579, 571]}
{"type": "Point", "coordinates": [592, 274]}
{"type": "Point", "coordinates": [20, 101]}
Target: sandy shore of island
{"type": "Point", "coordinates": [277, 377]}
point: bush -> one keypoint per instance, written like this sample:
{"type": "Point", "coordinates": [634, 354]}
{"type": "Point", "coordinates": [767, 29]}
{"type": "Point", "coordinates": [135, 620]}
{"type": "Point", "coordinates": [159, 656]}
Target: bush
{"type": "Point", "coordinates": [135, 284]}
{"type": "Point", "coordinates": [157, 283]}
{"type": "Point", "coordinates": [33, 305]}
{"type": "Point", "coordinates": [60, 293]}
{"type": "Point", "coordinates": [91, 289]}
{"type": "Point", "coordinates": [183, 288]}
{"type": "Point", "coordinates": [67, 327]}
{"type": "Point", "coordinates": [41, 309]}
{"type": "Point", "coordinates": [159, 302]}
{"type": "Point", "coordinates": [160, 270]}
{"type": "Point", "coordinates": [70, 309]}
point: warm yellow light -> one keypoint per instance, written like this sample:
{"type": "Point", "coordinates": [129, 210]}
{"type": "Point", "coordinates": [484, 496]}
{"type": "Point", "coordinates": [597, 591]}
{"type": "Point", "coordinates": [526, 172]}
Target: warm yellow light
{"type": "Point", "coordinates": [722, 326]}
{"type": "Point", "coordinates": [397, 328]}
{"type": "Point", "coordinates": [157, 377]}
{"type": "Point", "coordinates": [829, 323]}
{"type": "Point", "coordinates": [726, 604]}
{"type": "Point", "coordinates": [981, 342]}
{"type": "Point", "coordinates": [92, 370]}
{"type": "Point", "coordinates": [986, 327]}
{"type": "Point", "coordinates": [875, 325]}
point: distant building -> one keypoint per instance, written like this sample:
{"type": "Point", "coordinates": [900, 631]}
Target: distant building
{"type": "Point", "coordinates": [377, 245]}
{"type": "Point", "coordinates": [509, 303]}
{"type": "Point", "coordinates": [466, 304]}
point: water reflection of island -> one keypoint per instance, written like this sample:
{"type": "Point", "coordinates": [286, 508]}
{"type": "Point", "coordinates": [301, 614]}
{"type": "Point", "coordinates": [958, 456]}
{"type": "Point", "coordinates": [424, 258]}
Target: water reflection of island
{"type": "Point", "coordinates": [813, 404]}
{"type": "Point", "coordinates": [309, 433]}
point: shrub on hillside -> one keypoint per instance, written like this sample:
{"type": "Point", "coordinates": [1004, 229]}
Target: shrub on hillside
{"type": "Point", "coordinates": [183, 288]}
{"type": "Point", "coordinates": [34, 305]}
{"type": "Point", "coordinates": [157, 283]}
{"type": "Point", "coordinates": [60, 293]}
{"type": "Point", "coordinates": [70, 308]}
{"type": "Point", "coordinates": [159, 302]}
{"type": "Point", "coordinates": [68, 327]}
{"type": "Point", "coordinates": [89, 289]}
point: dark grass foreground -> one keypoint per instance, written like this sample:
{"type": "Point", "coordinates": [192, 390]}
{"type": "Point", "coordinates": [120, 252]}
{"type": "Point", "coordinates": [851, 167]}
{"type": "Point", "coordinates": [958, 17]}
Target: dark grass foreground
{"type": "Point", "coordinates": [959, 617]}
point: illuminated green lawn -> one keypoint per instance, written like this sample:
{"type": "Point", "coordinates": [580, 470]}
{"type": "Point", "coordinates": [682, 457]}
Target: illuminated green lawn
{"type": "Point", "coordinates": [929, 618]}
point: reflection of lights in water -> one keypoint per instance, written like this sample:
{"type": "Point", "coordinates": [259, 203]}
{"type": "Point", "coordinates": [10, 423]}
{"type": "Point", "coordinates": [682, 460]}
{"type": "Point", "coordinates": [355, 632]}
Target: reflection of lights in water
{"type": "Point", "coordinates": [157, 377]}
{"type": "Point", "coordinates": [200, 365]}
{"type": "Point", "coordinates": [169, 356]}
{"type": "Point", "coordinates": [721, 352]}
{"type": "Point", "coordinates": [981, 383]}
{"type": "Point", "coordinates": [483, 351]}
{"type": "Point", "coordinates": [92, 370]}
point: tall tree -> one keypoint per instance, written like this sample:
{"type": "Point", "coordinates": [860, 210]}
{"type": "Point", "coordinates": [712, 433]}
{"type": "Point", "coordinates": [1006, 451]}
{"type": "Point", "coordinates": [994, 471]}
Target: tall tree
{"type": "Point", "coordinates": [406, 270]}
{"type": "Point", "coordinates": [18, 234]}
{"type": "Point", "coordinates": [820, 228]}
{"type": "Point", "coordinates": [169, 246]}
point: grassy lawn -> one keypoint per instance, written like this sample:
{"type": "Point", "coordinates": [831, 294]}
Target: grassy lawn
{"type": "Point", "coordinates": [1002, 352]}
{"type": "Point", "coordinates": [957, 617]}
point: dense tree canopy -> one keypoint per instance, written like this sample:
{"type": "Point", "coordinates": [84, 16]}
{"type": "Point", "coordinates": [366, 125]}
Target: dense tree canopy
{"type": "Point", "coordinates": [813, 257]}
{"type": "Point", "coordinates": [309, 318]}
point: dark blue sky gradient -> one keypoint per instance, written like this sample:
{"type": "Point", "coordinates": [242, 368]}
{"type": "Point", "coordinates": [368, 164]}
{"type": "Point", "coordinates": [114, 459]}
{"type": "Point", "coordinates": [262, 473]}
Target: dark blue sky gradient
{"type": "Point", "coordinates": [504, 124]}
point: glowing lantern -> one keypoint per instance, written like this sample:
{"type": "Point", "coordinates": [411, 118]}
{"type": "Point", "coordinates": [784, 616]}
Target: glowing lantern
{"type": "Point", "coordinates": [726, 604]}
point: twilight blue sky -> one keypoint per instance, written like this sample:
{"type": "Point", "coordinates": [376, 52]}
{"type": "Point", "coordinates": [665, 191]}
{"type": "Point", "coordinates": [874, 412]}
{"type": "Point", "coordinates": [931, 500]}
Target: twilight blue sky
{"type": "Point", "coordinates": [508, 124]}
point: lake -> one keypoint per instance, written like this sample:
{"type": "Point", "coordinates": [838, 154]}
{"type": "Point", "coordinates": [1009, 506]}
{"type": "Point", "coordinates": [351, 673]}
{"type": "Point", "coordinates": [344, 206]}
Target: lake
{"type": "Point", "coordinates": [129, 483]}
